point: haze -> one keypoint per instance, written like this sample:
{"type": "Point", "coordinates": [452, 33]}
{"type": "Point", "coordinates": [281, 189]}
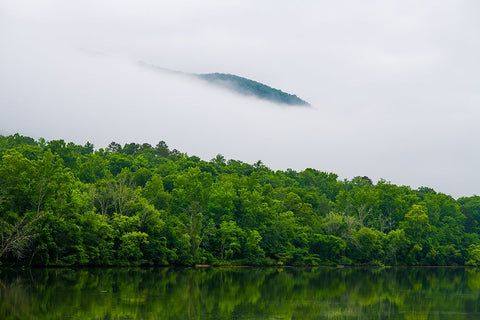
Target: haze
{"type": "Point", "coordinates": [394, 85]}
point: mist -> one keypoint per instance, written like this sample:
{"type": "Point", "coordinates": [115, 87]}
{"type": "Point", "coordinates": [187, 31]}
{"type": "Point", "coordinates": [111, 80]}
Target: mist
{"type": "Point", "coordinates": [393, 86]}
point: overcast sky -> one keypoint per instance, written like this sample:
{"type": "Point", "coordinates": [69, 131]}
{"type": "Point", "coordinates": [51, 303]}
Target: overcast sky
{"type": "Point", "coordinates": [394, 85]}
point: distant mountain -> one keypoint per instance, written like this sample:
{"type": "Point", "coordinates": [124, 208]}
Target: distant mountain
{"type": "Point", "coordinates": [243, 86]}
{"type": "Point", "coordinates": [252, 88]}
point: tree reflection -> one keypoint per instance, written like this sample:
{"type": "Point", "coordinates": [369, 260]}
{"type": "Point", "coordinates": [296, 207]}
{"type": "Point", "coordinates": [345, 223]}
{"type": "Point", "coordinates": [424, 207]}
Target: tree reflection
{"type": "Point", "coordinates": [237, 293]}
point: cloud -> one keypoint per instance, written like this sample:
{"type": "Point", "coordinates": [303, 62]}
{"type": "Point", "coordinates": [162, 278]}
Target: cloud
{"type": "Point", "coordinates": [394, 84]}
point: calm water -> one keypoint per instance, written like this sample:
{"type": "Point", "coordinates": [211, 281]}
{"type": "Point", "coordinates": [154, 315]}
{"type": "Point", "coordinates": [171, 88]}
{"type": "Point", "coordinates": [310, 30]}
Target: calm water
{"type": "Point", "coordinates": [241, 293]}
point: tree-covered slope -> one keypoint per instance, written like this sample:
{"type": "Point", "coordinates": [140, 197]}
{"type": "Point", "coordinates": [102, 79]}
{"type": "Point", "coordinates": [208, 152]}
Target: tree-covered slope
{"type": "Point", "coordinates": [241, 86]}
{"type": "Point", "coordinates": [252, 88]}
{"type": "Point", "coordinates": [138, 204]}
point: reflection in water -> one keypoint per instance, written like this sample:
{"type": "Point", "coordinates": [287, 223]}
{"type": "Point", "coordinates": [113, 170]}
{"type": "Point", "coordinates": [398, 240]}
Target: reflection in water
{"type": "Point", "coordinates": [240, 293]}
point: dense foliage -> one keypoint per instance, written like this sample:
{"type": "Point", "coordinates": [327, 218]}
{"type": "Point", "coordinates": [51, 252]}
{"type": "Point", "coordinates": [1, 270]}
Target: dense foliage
{"type": "Point", "coordinates": [66, 204]}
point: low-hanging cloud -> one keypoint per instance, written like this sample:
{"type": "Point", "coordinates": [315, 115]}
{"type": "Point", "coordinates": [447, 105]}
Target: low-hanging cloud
{"type": "Point", "coordinates": [394, 88]}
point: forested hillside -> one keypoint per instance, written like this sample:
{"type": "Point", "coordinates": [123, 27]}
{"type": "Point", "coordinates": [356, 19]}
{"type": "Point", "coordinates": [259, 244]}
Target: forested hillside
{"type": "Point", "coordinates": [239, 85]}
{"type": "Point", "coordinates": [138, 204]}
{"type": "Point", "coordinates": [252, 88]}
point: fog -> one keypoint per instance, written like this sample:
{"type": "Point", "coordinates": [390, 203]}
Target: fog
{"type": "Point", "coordinates": [394, 87]}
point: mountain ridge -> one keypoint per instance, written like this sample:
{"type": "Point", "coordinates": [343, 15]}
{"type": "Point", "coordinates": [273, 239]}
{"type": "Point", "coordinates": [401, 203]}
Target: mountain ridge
{"type": "Point", "coordinates": [250, 87]}
{"type": "Point", "coordinates": [241, 85]}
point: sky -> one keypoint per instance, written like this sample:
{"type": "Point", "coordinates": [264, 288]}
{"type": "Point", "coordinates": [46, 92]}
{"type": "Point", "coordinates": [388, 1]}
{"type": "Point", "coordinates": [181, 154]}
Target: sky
{"type": "Point", "coordinates": [394, 85]}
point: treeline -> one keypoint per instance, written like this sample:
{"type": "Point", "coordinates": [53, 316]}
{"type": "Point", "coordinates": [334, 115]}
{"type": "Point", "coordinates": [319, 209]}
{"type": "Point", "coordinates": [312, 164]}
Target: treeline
{"type": "Point", "coordinates": [138, 204]}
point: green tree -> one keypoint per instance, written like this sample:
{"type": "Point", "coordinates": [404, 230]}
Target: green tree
{"type": "Point", "coordinates": [98, 237]}
{"type": "Point", "coordinates": [417, 228]}
{"type": "Point", "coordinates": [229, 237]}
{"type": "Point", "coordinates": [473, 255]}
{"type": "Point", "coordinates": [416, 224]}
{"type": "Point", "coordinates": [155, 193]}
{"type": "Point", "coordinates": [470, 207]}
{"type": "Point", "coordinates": [328, 247]}
{"type": "Point", "coordinates": [253, 252]}
{"type": "Point", "coordinates": [367, 246]}
{"type": "Point", "coordinates": [131, 246]}
{"type": "Point", "coordinates": [397, 247]}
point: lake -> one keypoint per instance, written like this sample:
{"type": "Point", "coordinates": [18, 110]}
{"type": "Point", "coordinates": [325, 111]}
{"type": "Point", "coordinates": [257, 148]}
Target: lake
{"type": "Point", "coordinates": [240, 293]}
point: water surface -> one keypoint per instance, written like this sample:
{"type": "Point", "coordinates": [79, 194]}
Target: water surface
{"type": "Point", "coordinates": [240, 293]}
